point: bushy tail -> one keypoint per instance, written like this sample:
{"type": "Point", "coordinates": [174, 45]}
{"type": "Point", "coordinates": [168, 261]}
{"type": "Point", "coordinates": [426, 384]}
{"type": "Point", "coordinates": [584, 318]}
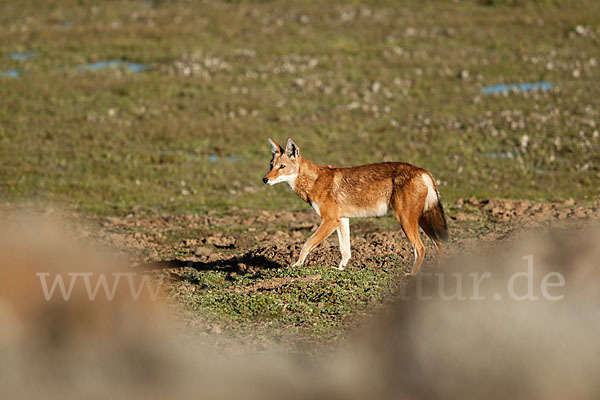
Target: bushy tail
{"type": "Point", "coordinates": [433, 221]}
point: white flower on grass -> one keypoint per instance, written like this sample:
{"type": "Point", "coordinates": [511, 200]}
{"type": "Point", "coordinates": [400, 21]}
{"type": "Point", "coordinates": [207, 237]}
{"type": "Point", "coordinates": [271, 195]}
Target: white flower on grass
{"type": "Point", "coordinates": [524, 143]}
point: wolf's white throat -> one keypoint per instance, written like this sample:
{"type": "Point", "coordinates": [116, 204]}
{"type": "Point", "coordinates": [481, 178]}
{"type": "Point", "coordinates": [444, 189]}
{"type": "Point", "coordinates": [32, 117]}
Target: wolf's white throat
{"type": "Point", "coordinates": [290, 179]}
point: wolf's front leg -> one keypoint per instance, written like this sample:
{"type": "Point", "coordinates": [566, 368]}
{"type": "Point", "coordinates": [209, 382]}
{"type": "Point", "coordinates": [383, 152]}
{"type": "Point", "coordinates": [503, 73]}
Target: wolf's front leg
{"type": "Point", "coordinates": [325, 229]}
{"type": "Point", "coordinates": [344, 239]}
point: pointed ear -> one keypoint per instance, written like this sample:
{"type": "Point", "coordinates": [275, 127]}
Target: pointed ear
{"type": "Point", "coordinates": [275, 148]}
{"type": "Point", "coordinates": [291, 149]}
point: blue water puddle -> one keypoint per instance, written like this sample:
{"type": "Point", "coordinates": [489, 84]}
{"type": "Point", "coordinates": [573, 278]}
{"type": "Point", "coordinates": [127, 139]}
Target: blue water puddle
{"type": "Point", "coordinates": [183, 156]}
{"type": "Point", "coordinates": [511, 155]}
{"type": "Point", "coordinates": [500, 156]}
{"type": "Point", "coordinates": [95, 66]}
{"type": "Point", "coordinates": [98, 65]}
{"type": "Point", "coordinates": [518, 87]}
{"type": "Point", "coordinates": [67, 24]}
{"type": "Point", "coordinates": [10, 73]}
{"type": "Point", "coordinates": [24, 56]}
{"type": "Point", "coordinates": [214, 158]}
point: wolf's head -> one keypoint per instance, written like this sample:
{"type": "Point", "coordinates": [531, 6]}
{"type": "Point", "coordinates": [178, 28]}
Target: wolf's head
{"type": "Point", "coordinates": [284, 164]}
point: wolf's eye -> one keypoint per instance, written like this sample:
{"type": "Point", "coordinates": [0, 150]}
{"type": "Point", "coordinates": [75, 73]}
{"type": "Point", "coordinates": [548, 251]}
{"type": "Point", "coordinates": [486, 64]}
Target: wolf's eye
{"type": "Point", "coordinates": [281, 166]}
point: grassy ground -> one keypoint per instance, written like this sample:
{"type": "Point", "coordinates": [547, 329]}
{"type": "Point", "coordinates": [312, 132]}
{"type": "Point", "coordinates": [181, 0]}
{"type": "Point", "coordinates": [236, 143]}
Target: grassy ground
{"type": "Point", "coordinates": [352, 82]}
{"type": "Point", "coordinates": [231, 274]}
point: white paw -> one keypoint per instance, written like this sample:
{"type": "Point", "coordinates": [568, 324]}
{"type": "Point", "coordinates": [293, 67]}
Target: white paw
{"type": "Point", "coordinates": [343, 264]}
{"type": "Point", "coordinates": [340, 268]}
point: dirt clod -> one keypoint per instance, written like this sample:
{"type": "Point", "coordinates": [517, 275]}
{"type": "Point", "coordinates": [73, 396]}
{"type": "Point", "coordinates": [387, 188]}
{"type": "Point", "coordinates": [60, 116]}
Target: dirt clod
{"type": "Point", "coordinates": [202, 251]}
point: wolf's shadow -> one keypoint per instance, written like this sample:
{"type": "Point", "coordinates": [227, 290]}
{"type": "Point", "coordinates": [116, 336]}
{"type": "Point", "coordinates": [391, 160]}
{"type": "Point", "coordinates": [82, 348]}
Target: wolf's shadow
{"type": "Point", "coordinates": [237, 264]}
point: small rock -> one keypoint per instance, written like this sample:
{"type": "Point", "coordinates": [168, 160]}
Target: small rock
{"type": "Point", "coordinates": [190, 242]}
{"type": "Point", "coordinates": [562, 215]}
{"type": "Point", "coordinates": [261, 236]}
{"type": "Point", "coordinates": [202, 251]}
{"type": "Point", "coordinates": [213, 257]}
{"type": "Point", "coordinates": [221, 241]}
{"type": "Point", "coordinates": [473, 201]}
{"type": "Point", "coordinates": [280, 235]}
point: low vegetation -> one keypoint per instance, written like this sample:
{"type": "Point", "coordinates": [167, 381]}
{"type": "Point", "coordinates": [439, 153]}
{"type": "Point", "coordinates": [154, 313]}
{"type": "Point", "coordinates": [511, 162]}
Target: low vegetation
{"type": "Point", "coordinates": [352, 82]}
{"type": "Point", "coordinates": [148, 116]}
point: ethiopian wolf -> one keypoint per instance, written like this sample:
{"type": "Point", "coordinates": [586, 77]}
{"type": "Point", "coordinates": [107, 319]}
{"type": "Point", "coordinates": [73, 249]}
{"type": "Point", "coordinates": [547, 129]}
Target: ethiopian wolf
{"type": "Point", "coordinates": [337, 194]}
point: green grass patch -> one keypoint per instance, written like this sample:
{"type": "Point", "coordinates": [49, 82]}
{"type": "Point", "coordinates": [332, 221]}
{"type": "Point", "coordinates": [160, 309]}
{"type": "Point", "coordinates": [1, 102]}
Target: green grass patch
{"type": "Point", "coordinates": [352, 84]}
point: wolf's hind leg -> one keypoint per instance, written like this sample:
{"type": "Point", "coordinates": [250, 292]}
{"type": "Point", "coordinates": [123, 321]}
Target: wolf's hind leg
{"type": "Point", "coordinates": [411, 230]}
{"type": "Point", "coordinates": [408, 202]}
{"type": "Point", "coordinates": [410, 226]}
